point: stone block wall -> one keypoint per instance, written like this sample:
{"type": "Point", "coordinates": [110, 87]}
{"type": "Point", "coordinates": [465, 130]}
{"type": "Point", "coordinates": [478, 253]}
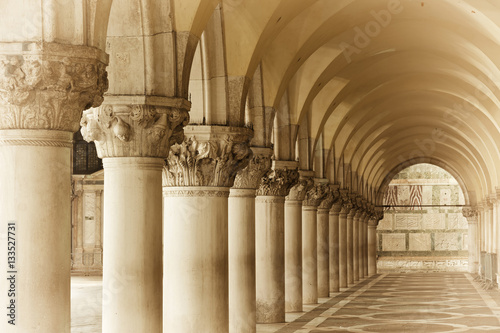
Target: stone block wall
{"type": "Point", "coordinates": [87, 222]}
{"type": "Point", "coordinates": [424, 229]}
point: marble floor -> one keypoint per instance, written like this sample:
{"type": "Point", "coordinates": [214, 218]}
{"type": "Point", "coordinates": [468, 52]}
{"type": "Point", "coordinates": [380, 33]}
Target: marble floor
{"type": "Point", "coordinates": [419, 302]}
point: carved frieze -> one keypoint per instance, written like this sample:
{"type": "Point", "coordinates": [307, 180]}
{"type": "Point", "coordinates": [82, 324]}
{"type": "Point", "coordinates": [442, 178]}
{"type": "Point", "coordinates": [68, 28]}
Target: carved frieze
{"type": "Point", "coordinates": [211, 158]}
{"type": "Point", "coordinates": [260, 164]}
{"type": "Point", "coordinates": [134, 130]}
{"type": "Point", "coordinates": [278, 182]}
{"type": "Point", "coordinates": [48, 85]}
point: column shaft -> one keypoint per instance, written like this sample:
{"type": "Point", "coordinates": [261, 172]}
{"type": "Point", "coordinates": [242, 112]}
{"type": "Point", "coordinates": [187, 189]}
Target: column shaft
{"type": "Point", "coordinates": [323, 253]}
{"type": "Point", "coordinates": [35, 182]}
{"type": "Point", "coordinates": [195, 275]}
{"type": "Point", "coordinates": [365, 247]}
{"type": "Point", "coordinates": [343, 250]}
{"type": "Point", "coordinates": [355, 246]}
{"type": "Point", "coordinates": [309, 255]}
{"type": "Point", "coordinates": [334, 251]}
{"type": "Point", "coordinates": [293, 256]}
{"type": "Point", "coordinates": [241, 230]}
{"type": "Point", "coordinates": [270, 261]}
{"type": "Point", "coordinates": [473, 255]}
{"type": "Point", "coordinates": [372, 248]}
{"type": "Point", "coordinates": [132, 270]}
{"type": "Point", "coordinates": [350, 247]}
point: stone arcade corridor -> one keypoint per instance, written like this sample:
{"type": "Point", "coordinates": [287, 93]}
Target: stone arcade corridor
{"type": "Point", "coordinates": [385, 303]}
{"type": "Point", "coordinates": [224, 163]}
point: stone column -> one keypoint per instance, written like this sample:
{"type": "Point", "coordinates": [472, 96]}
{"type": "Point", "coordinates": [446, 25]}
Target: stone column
{"type": "Point", "coordinates": [309, 243]}
{"type": "Point", "coordinates": [241, 231]}
{"type": "Point", "coordinates": [44, 87]}
{"type": "Point", "coordinates": [270, 247]}
{"type": "Point", "coordinates": [356, 231]}
{"type": "Point", "coordinates": [98, 227]}
{"type": "Point", "coordinates": [324, 242]}
{"type": "Point", "coordinates": [372, 246]}
{"type": "Point", "coordinates": [133, 138]}
{"type": "Point", "coordinates": [361, 245]}
{"type": "Point", "coordinates": [365, 244]}
{"type": "Point", "coordinates": [497, 231]}
{"type": "Point", "coordinates": [293, 242]}
{"type": "Point", "coordinates": [334, 245]}
{"type": "Point", "coordinates": [197, 177]}
{"type": "Point", "coordinates": [343, 269]}
{"type": "Point", "coordinates": [471, 215]}
{"type": "Point", "coordinates": [350, 246]}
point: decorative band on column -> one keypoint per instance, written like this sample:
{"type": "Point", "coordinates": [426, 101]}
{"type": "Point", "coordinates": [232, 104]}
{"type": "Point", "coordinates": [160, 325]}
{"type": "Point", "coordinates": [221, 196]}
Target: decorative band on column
{"type": "Point", "coordinates": [143, 163]}
{"type": "Point", "coordinates": [293, 203]}
{"type": "Point", "coordinates": [270, 199]}
{"type": "Point", "coordinates": [44, 138]}
{"type": "Point", "coordinates": [242, 193]}
{"type": "Point", "coordinates": [309, 208]}
{"type": "Point", "coordinates": [195, 191]}
{"type": "Point", "coordinates": [323, 211]}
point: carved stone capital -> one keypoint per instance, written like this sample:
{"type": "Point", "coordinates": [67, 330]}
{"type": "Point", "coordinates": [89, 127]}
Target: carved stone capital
{"type": "Point", "coordinates": [315, 195]}
{"type": "Point", "coordinates": [470, 213]}
{"type": "Point", "coordinates": [332, 196]}
{"type": "Point", "coordinates": [208, 156]}
{"type": "Point", "coordinates": [299, 190]}
{"type": "Point", "coordinates": [347, 205]}
{"type": "Point", "coordinates": [373, 223]}
{"type": "Point", "coordinates": [379, 213]}
{"type": "Point", "coordinates": [278, 182]}
{"type": "Point", "coordinates": [336, 208]}
{"type": "Point", "coordinates": [48, 85]}
{"type": "Point", "coordinates": [135, 130]}
{"type": "Point", "coordinates": [259, 165]}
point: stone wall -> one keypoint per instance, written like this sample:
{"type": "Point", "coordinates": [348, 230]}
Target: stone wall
{"type": "Point", "coordinates": [87, 218]}
{"type": "Point", "coordinates": [429, 232]}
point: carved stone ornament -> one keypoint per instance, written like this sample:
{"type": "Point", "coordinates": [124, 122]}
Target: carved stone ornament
{"type": "Point", "coordinates": [332, 197]}
{"type": "Point", "coordinates": [135, 130]}
{"type": "Point", "coordinates": [259, 165]}
{"type": "Point", "coordinates": [470, 213]}
{"type": "Point", "coordinates": [347, 205]}
{"type": "Point", "coordinates": [278, 182]}
{"type": "Point", "coordinates": [213, 157]}
{"type": "Point", "coordinates": [315, 195]}
{"type": "Point", "coordinates": [299, 190]}
{"type": "Point", "coordinates": [48, 85]}
{"type": "Point", "coordinates": [379, 213]}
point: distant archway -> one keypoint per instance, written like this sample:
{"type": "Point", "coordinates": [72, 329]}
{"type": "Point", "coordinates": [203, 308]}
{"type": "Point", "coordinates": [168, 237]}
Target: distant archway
{"type": "Point", "coordinates": [423, 228]}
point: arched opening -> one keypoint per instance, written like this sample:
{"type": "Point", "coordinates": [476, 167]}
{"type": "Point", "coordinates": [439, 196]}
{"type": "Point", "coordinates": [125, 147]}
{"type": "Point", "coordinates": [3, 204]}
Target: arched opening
{"type": "Point", "coordinates": [423, 228]}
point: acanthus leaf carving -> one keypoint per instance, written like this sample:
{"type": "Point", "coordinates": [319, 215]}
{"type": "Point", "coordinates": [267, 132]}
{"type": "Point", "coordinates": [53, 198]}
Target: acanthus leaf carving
{"type": "Point", "coordinates": [133, 130]}
{"type": "Point", "coordinates": [49, 90]}
{"type": "Point", "coordinates": [331, 198]}
{"type": "Point", "coordinates": [299, 190]}
{"type": "Point", "coordinates": [315, 195]}
{"type": "Point", "coordinates": [278, 182]}
{"type": "Point", "coordinates": [212, 161]}
{"type": "Point", "coordinates": [470, 213]}
{"type": "Point", "coordinates": [250, 176]}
